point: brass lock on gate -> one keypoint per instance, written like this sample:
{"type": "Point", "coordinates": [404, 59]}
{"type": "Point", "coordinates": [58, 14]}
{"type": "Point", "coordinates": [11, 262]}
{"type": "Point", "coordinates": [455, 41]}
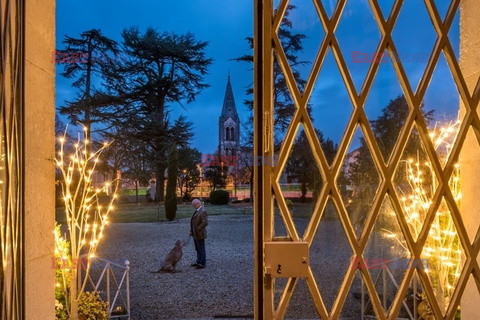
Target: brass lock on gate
{"type": "Point", "coordinates": [286, 259]}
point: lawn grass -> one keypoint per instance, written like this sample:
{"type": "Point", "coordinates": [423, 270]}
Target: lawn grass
{"type": "Point", "coordinates": [142, 191]}
{"type": "Point", "coordinates": [152, 212]}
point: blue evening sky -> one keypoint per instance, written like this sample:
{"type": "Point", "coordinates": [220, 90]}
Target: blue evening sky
{"type": "Point", "coordinates": [226, 23]}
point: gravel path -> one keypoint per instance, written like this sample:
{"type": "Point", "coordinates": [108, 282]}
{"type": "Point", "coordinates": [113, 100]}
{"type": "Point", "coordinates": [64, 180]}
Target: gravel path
{"type": "Point", "coordinates": [225, 287]}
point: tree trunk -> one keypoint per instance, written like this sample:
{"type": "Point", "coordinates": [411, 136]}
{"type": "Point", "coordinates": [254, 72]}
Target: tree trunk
{"type": "Point", "coordinates": [439, 290]}
{"type": "Point", "coordinates": [304, 191]}
{"type": "Point", "coordinates": [86, 101]}
{"type": "Point", "coordinates": [74, 309]}
{"type": "Point", "coordinates": [73, 297]}
{"type": "Point", "coordinates": [136, 191]}
{"type": "Point", "coordinates": [160, 184]}
{"type": "Point", "coordinates": [181, 190]}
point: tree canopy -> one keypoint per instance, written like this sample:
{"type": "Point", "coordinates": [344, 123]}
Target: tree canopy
{"type": "Point", "coordinates": [362, 174]}
{"type": "Point", "coordinates": [91, 105]}
{"type": "Point", "coordinates": [161, 70]}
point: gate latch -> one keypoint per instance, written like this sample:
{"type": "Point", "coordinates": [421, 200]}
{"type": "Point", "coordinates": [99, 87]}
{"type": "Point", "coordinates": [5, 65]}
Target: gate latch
{"type": "Point", "coordinates": [286, 259]}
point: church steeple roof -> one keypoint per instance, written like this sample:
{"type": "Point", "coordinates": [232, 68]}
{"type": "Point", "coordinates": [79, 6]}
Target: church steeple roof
{"type": "Point", "coordinates": [229, 109]}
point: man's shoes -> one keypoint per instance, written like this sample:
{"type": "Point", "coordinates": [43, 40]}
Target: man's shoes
{"type": "Point", "coordinates": [200, 266]}
{"type": "Point", "coordinates": [194, 264]}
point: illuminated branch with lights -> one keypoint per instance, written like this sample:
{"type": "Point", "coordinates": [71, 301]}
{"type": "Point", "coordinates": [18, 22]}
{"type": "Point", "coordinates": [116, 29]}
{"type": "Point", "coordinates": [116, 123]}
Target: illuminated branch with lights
{"type": "Point", "coordinates": [442, 248]}
{"type": "Point", "coordinates": [86, 217]}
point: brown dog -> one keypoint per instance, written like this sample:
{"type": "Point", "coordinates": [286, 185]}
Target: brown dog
{"type": "Point", "coordinates": [172, 258]}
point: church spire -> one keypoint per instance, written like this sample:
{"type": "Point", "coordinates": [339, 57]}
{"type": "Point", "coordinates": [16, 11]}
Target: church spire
{"type": "Point", "coordinates": [228, 124]}
{"type": "Point", "coordinates": [229, 109]}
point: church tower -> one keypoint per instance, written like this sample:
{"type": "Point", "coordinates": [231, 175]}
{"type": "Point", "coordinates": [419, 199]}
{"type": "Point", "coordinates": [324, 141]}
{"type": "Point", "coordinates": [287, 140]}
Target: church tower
{"type": "Point", "coordinates": [228, 125]}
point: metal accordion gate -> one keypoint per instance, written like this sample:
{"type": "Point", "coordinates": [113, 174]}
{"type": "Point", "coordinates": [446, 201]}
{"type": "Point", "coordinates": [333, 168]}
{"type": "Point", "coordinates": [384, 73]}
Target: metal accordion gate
{"type": "Point", "coordinates": [441, 254]}
{"type": "Point", "coordinates": [12, 35]}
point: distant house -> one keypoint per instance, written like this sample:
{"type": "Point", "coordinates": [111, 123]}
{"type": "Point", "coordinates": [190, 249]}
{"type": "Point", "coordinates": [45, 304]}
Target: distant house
{"type": "Point", "coordinates": [103, 181]}
{"type": "Point", "coordinates": [350, 159]}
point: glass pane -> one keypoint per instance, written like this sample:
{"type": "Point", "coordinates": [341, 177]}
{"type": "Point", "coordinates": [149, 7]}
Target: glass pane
{"type": "Point", "coordinates": [276, 3]}
{"type": "Point", "coordinates": [416, 182]}
{"type": "Point", "coordinates": [329, 6]}
{"type": "Point", "coordinates": [444, 254]}
{"type": "Point", "coordinates": [386, 108]}
{"type": "Point", "coordinates": [301, 306]}
{"type": "Point", "coordinates": [330, 107]}
{"type": "Point", "coordinates": [301, 181]}
{"type": "Point", "coordinates": [442, 7]}
{"type": "Point", "coordinates": [441, 99]}
{"type": "Point", "coordinates": [358, 44]}
{"type": "Point", "coordinates": [387, 255]}
{"type": "Point", "coordinates": [386, 6]}
{"type": "Point", "coordinates": [301, 34]}
{"type": "Point", "coordinates": [454, 34]}
{"type": "Point", "coordinates": [414, 51]}
{"type": "Point", "coordinates": [283, 105]}
{"type": "Point", "coordinates": [358, 181]}
{"type": "Point", "coordinates": [279, 285]}
{"type": "Point", "coordinates": [279, 228]}
{"type": "Point", "coordinates": [352, 309]}
{"type": "Point", "coordinates": [442, 110]}
{"type": "Point", "coordinates": [329, 262]}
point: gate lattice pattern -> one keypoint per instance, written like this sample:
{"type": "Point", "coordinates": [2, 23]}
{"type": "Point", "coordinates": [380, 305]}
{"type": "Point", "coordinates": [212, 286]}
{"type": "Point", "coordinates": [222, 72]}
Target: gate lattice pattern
{"type": "Point", "coordinates": [11, 158]}
{"type": "Point", "coordinates": [272, 46]}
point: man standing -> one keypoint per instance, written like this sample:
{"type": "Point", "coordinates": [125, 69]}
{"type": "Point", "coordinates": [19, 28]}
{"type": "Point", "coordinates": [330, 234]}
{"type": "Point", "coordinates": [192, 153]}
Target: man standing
{"type": "Point", "coordinates": [198, 231]}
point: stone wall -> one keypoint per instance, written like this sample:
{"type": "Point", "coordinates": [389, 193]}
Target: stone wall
{"type": "Point", "coordinates": [470, 156]}
{"type": "Point", "coordinates": [39, 153]}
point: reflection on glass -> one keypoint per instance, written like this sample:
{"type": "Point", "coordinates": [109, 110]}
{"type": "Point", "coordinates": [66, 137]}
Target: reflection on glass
{"type": "Point", "coordinates": [358, 181]}
{"type": "Point", "coordinates": [301, 182]}
{"type": "Point", "coordinates": [414, 51]}
{"type": "Point", "coordinates": [386, 256]}
{"type": "Point", "coordinates": [329, 106]}
{"type": "Point", "coordinates": [330, 255]}
{"type": "Point", "coordinates": [358, 36]}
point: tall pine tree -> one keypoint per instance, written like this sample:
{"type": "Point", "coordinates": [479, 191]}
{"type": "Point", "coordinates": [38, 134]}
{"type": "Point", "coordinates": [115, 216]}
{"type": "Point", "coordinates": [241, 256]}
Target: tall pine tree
{"type": "Point", "coordinates": [302, 166]}
{"type": "Point", "coordinates": [92, 105]}
{"type": "Point", "coordinates": [283, 104]}
{"type": "Point", "coordinates": [162, 69]}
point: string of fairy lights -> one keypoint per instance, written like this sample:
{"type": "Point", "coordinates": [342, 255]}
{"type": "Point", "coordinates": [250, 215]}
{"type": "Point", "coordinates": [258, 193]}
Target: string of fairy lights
{"type": "Point", "coordinates": [85, 215]}
{"type": "Point", "coordinates": [442, 248]}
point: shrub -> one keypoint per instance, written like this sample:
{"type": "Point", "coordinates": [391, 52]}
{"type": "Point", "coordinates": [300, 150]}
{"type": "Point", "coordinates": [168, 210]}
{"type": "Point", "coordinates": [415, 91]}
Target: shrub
{"type": "Point", "coordinates": [289, 202]}
{"type": "Point", "coordinates": [92, 307]}
{"type": "Point", "coordinates": [219, 197]}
